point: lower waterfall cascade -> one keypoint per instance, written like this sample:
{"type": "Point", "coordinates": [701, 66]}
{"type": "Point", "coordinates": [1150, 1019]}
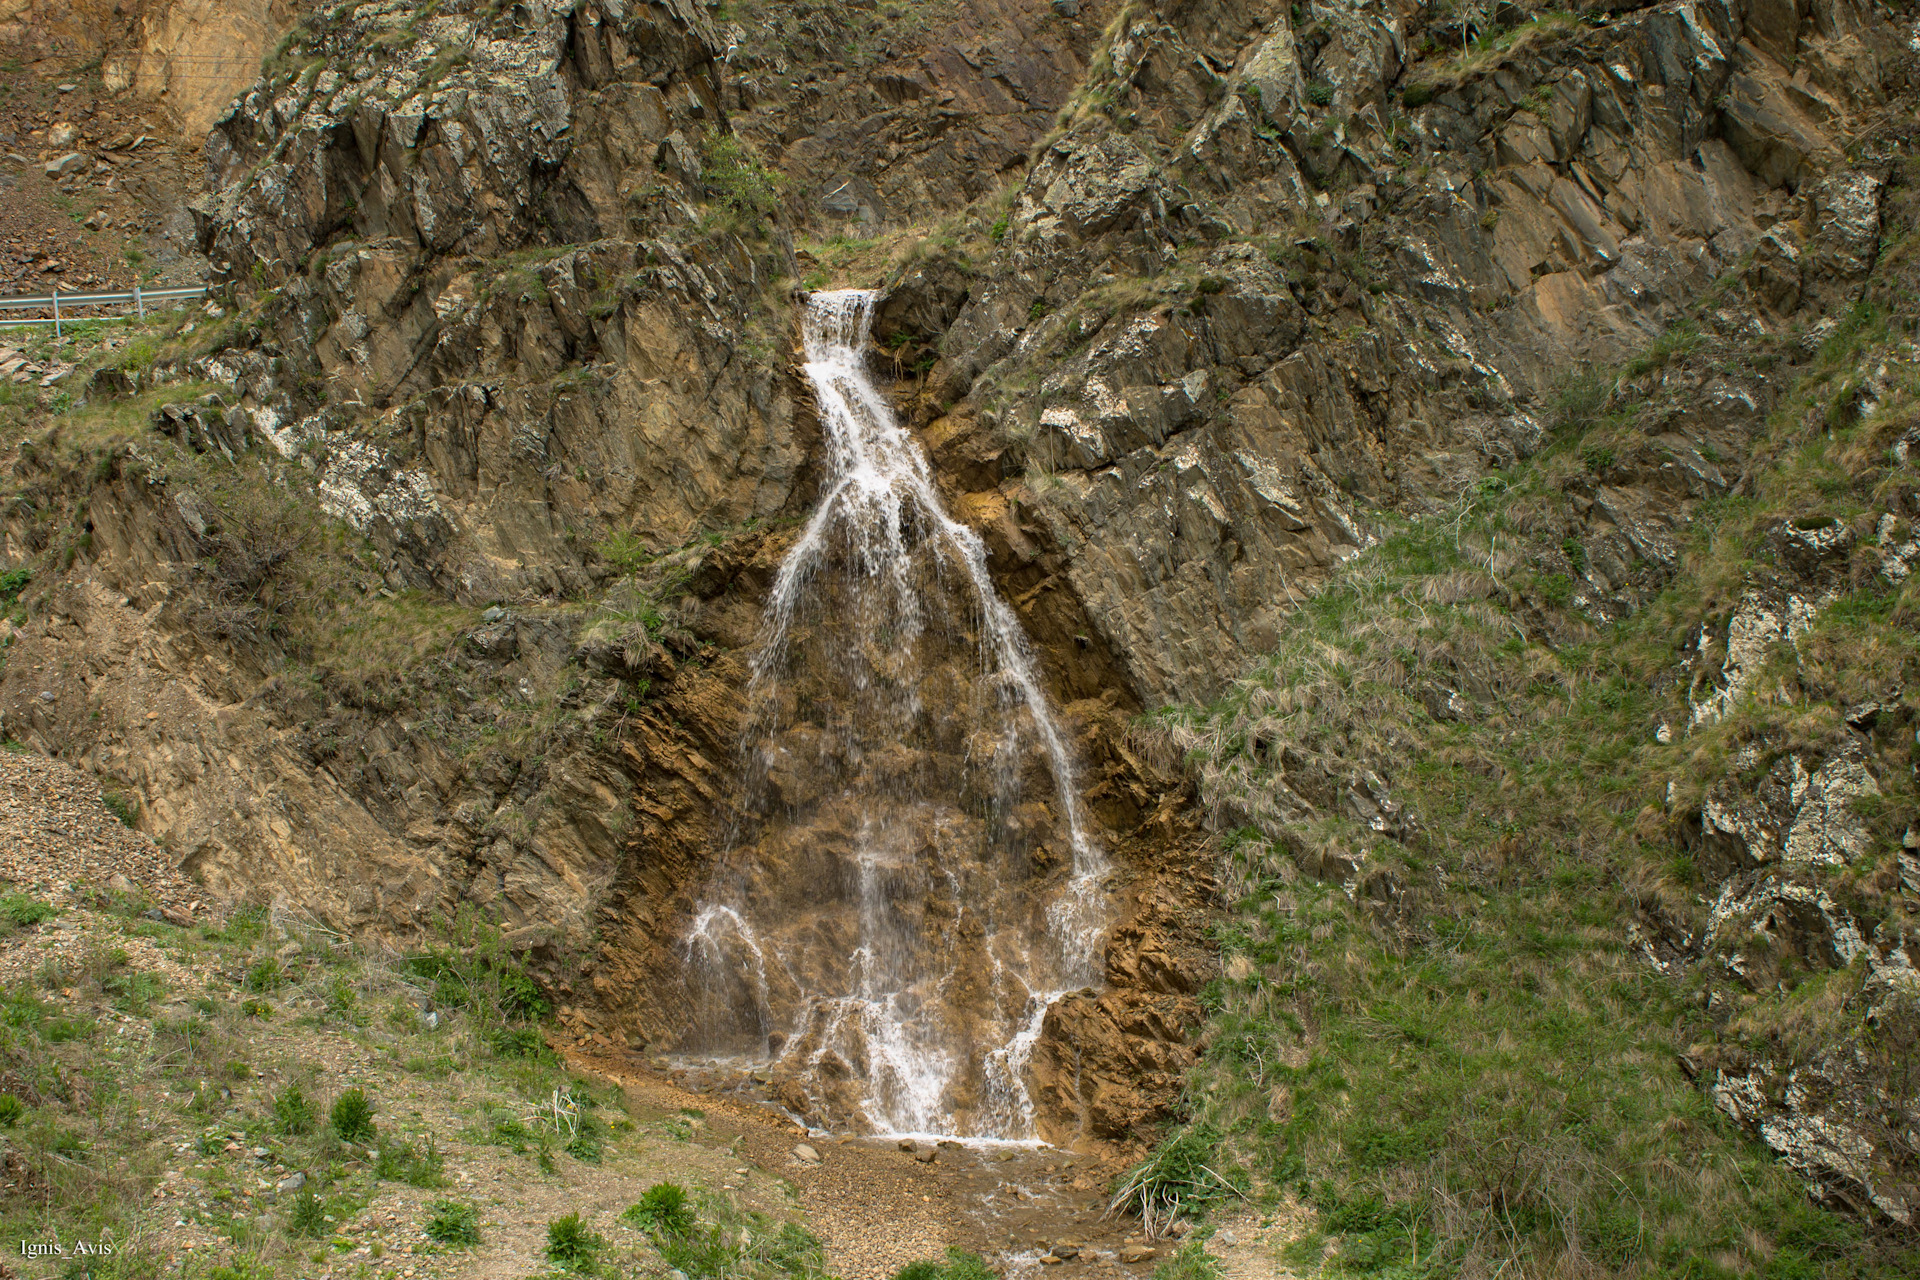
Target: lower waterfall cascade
{"type": "Point", "coordinates": [909, 882]}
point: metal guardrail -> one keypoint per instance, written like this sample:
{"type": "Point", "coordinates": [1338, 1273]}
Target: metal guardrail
{"type": "Point", "coordinates": [138, 300]}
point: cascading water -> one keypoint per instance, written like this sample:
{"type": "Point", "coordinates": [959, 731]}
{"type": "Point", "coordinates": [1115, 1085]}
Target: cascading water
{"type": "Point", "coordinates": [910, 882]}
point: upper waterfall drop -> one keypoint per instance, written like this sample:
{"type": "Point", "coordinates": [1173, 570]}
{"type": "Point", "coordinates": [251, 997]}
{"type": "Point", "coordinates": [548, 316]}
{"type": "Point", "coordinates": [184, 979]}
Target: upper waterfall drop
{"type": "Point", "coordinates": [910, 880]}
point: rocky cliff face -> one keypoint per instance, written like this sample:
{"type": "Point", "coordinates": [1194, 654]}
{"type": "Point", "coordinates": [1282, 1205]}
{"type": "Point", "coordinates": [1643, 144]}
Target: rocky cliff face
{"type": "Point", "coordinates": [440, 591]}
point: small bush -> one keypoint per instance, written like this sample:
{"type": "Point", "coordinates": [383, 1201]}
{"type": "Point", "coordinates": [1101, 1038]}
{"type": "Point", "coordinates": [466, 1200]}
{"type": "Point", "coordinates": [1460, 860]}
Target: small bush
{"type": "Point", "coordinates": [453, 1223]}
{"type": "Point", "coordinates": [957, 1265]}
{"type": "Point", "coordinates": [120, 807]}
{"type": "Point", "coordinates": [11, 1109]}
{"type": "Point", "coordinates": [134, 992]}
{"type": "Point", "coordinates": [342, 1003]}
{"type": "Point", "coordinates": [352, 1117]}
{"type": "Point", "coordinates": [1180, 1176]}
{"type": "Point", "coordinates": [738, 180]}
{"type": "Point", "coordinates": [571, 1243]}
{"type": "Point", "coordinates": [265, 975]}
{"type": "Point", "coordinates": [307, 1217]}
{"type": "Point", "coordinates": [624, 551]}
{"type": "Point", "coordinates": [1319, 93]}
{"type": "Point", "coordinates": [256, 1009]}
{"type": "Point", "coordinates": [402, 1162]}
{"type": "Point", "coordinates": [520, 1042]}
{"type": "Point", "coordinates": [1191, 1262]}
{"type": "Point", "coordinates": [292, 1113]}
{"type": "Point", "coordinates": [1416, 95]}
{"type": "Point", "coordinates": [23, 911]}
{"type": "Point", "coordinates": [663, 1211]}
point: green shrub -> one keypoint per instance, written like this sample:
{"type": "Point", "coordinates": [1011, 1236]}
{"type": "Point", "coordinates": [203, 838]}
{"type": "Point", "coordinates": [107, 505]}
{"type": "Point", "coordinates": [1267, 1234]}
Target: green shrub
{"type": "Point", "coordinates": [957, 1265]}
{"type": "Point", "coordinates": [120, 807]}
{"type": "Point", "coordinates": [342, 1003]}
{"type": "Point", "coordinates": [292, 1113]}
{"type": "Point", "coordinates": [572, 1244]}
{"type": "Point", "coordinates": [738, 180]}
{"type": "Point", "coordinates": [1319, 93]}
{"type": "Point", "coordinates": [12, 583]}
{"type": "Point", "coordinates": [623, 550]}
{"type": "Point", "coordinates": [484, 979]}
{"type": "Point", "coordinates": [520, 1042]}
{"type": "Point", "coordinates": [265, 974]}
{"type": "Point", "coordinates": [307, 1217]}
{"type": "Point", "coordinates": [451, 1222]}
{"type": "Point", "coordinates": [23, 911]}
{"type": "Point", "coordinates": [401, 1161]}
{"type": "Point", "coordinates": [352, 1117]}
{"type": "Point", "coordinates": [256, 1009]}
{"type": "Point", "coordinates": [1190, 1262]}
{"type": "Point", "coordinates": [663, 1211]}
{"type": "Point", "coordinates": [1180, 1176]}
{"type": "Point", "coordinates": [11, 1109]}
{"type": "Point", "coordinates": [134, 992]}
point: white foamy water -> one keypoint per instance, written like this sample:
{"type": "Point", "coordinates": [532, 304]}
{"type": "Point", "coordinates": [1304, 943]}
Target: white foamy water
{"type": "Point", "coordinates": [910, 943]}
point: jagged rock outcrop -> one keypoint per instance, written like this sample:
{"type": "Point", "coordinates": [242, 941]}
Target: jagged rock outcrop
{"type": "Point", "coordinates": [1232, 312]}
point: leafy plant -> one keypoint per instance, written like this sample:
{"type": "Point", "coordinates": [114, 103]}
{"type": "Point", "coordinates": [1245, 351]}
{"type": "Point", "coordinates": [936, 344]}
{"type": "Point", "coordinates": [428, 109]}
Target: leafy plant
{"type": "Point", "coordinates": [451, 1222]}
{"type": "Point", "coordinates": [19, 909]}
{"type": "Point", "coordinates": [572, 1244]}
{"type": "Point", "coordinates": [292, 1113]}
{"type": "Point", "coordinates": [265, 974]}
{"type": "Point", "coordinates": [957, 1265]}
{"type": "Point", "coordinates": [401, 1161]}
{"type": "Point", "coordinates": [1179, 1177]}
{"type": "Point", "coordinates": [738, 180]}
{"type": "Point", "coordinates": [352, 1117]}
{"type": "Point", "coordinates": [307, 1217]}
{"type": "Point", "coordinates": [11, 1109]}
{"type": "Point", "coordinates": [120, 807]}
{"type": "Point", "coordinates": [663, 1211]}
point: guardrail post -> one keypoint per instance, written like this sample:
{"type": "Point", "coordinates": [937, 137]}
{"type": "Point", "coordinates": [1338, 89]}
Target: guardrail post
{"type": "Point", "coordinates": [56, 313]}
{"type": "Point", "coordinates": [138, 303]}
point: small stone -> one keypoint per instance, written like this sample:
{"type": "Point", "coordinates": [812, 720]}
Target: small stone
{"type": "Point", "coordinates": [1050, 1261]}
{"type": "Point", "coordinates": [119, 883]}
{"type": "Point", "coordinates": [72, 162]}
{"type": "Point", "coordinates": [430, 1021]}
{"type": "Point", "coordinates": [292, 1182]}
{"type": "Point", "coordinates": [926, 1157]}
{"type": "Point", "coordinates": [493, 614]}
{"type": "Point", "coordinates": [62, 135]}
{"type": "Point", "coordinates": [1065, 1251]}
{"type": "Point", "coordinates": [1227, 1238]}
{"type": "Point", "coordinates": [66, 88]}
{"type": "Point", "coordinates": [1136, 1253]}
{"type": "Point", "coordinates": [907, 1144]}
{"type": "Point", "coordinates": [805, 1154]}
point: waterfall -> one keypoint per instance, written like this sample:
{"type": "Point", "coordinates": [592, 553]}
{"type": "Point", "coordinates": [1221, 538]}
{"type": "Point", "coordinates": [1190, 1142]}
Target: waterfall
{"type": "Point", "coordinates": [911, 881]}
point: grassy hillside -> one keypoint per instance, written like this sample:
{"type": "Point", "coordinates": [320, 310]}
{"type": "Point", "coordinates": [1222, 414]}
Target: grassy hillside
{"type": "Point", "coordinates": [1459, 805]}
